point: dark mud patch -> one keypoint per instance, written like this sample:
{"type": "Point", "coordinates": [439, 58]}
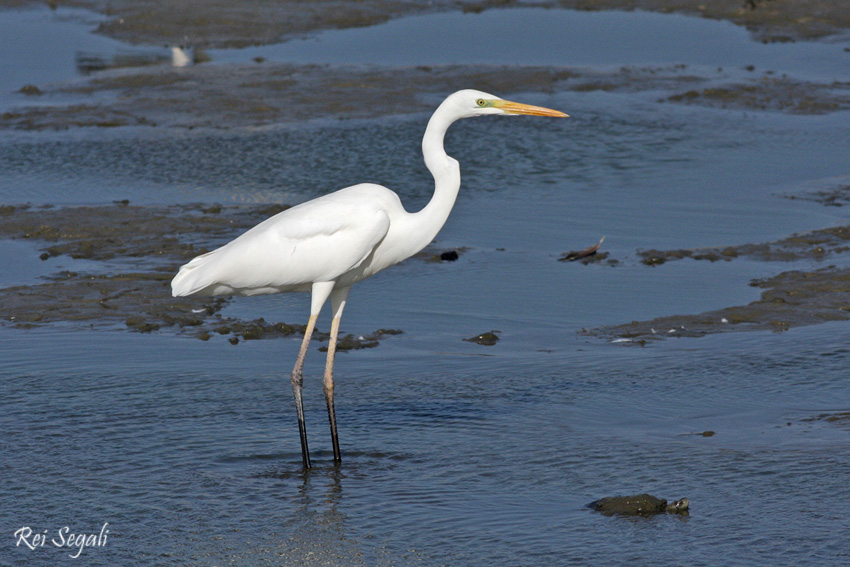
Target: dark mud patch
{"type": "Point", "coordinates": [253, 95]}
{"type": "Point", "coordinates": [357, 342]}
{"type": "Point", "coordinates": [707, 433]}
{"type": "Point", "coordinates": [791, 299]}
{"type": "Point", "coordinates": [839, 419]}
{"type": "Point", "coordinates": [595, 258]}
{"type": "Point", "coordinates": [254, 330]}
{"type": "Point", "coordinates": [128, 231]}
{"type": "Point", "coordinates": [770, 93]}
{"type": "Point", "coordinates": [589, 255]}
{"type": "Point", "coordinates": [217, 23]}
{"type": "Point", "coordinates": [261, 94]}
{"type": "Point", "coordinates": [818, 244]}
{"type": "Point", "coordinates": [141, 301]}
{"type": "Point", "coordinates": [139, 248]}
{"type": "Point", "coordinates": [834, 197]}
{"type": "Point", "coordinates": [136, 252]}
{"type": "Point", "coordinates": [768, 20]}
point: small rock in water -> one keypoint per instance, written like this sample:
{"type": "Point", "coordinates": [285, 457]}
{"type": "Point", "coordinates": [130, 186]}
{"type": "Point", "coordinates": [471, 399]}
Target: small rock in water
{"type": "Point", "coordinates": [487, 339]}
{"type": "Point", "coordinates": [639, 505]}
{"type": "Point", "coordinates": [30, 90]}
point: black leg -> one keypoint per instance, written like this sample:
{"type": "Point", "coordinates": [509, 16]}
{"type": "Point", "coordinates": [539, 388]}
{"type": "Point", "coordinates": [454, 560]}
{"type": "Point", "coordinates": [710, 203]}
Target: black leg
{"type": "Point", "coordinates": [297, 382]}
{"type": "Point", "coordinates": [328, 383]}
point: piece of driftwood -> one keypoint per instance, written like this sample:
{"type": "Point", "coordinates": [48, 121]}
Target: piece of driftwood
{"type": "Point", "coordinates": [590, 251]}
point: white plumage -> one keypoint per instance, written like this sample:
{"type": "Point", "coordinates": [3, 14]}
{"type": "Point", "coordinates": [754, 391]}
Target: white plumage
{"type": "Point", "coordinates": [311, 242]}
{"type": "Point", "coordinates": [332, 242]}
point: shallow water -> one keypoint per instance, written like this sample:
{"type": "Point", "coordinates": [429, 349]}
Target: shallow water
{"type": "Point", "coordinates": [454, 453]}
{"type": "Point", "coordinates": [39, 46]}
{"type": "Point", "coordinates": [533, 36]}
{"type": "Point", "coordinates": [190, 454]}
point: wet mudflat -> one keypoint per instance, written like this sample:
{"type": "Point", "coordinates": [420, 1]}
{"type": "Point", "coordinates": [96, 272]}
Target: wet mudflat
{"type": "Point", "coordinates": [263, 94]}
{"type": "Point", "coordinates": [278, 83]}
{"type": "Point", "coordinates": [792, 298]}
{"type": "Point", "coordinates": [214, 23]}
{"type": "Point", "coordinates": [479, 433]}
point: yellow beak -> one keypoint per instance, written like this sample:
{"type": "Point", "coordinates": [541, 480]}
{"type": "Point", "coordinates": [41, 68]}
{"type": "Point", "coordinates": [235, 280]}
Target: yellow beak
{"type": "Point", "coordinates": [518, 108]}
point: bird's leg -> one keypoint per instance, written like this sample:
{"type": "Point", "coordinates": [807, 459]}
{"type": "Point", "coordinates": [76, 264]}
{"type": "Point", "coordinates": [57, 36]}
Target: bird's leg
{"type": "Point", "coordinates": [328, 383]}
{"type": "Point", "coordinates": [338, 299]}
{"type": "Point", "coordinates": [297, 382]}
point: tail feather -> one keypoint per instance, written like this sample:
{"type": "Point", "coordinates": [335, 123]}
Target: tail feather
{"type": "Point", "coordinates": [191, 278]}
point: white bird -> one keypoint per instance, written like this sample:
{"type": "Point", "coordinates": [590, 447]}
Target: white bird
{"type": "Point", "coordinates": [326, 245]}
{"type": "Point", "coordinates": [180, 56]}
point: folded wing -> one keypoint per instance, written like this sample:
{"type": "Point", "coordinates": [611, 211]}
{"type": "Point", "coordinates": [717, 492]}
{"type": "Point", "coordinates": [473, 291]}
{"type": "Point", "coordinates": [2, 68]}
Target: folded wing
{"type": "Point", "coordinates": [317, 241]}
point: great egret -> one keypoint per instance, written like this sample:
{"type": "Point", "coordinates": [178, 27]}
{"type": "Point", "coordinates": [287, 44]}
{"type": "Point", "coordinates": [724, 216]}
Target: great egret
{"type": "Point", "coordinates": [326, 245]}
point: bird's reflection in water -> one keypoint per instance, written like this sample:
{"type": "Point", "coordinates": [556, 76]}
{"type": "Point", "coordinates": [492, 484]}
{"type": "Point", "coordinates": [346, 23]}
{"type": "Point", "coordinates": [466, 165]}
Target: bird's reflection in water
{"type": "Point", "coordinates": [175, 55]}
{"type": "Point", "coordinates": [317, 532]}
{"type": "Point", "coordinates": [88, 63]}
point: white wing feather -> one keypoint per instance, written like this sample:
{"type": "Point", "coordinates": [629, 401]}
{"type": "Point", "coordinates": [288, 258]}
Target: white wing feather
{"type": "Point", "coordinates": [317, 241]}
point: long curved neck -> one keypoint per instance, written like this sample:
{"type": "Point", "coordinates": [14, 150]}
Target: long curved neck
{"type": "Point", "coordinates": [446, 171]}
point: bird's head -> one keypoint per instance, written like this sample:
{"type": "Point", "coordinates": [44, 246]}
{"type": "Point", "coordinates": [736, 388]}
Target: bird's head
{"type": "Point", "coordinates": [469, 103]}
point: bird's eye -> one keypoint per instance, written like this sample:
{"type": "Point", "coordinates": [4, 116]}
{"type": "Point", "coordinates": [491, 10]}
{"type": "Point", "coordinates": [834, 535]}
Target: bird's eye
{"type": "Point", "coordinates": [481, 102]}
